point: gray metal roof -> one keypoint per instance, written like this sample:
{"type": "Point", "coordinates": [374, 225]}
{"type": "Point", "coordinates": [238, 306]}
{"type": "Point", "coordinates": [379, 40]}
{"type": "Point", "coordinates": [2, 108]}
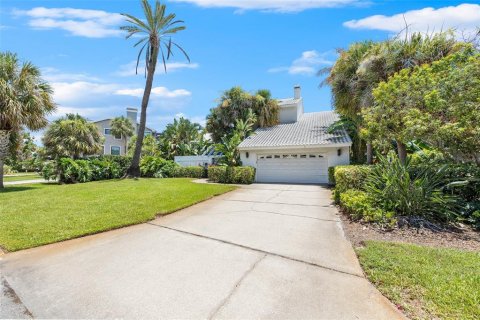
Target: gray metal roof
{"type": "Point", "coordinates": [310, 130]}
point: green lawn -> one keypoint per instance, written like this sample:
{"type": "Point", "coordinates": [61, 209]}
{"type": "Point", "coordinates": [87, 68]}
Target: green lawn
{"type": "Point", "coordinates": [33, 215]}
{"type": "Point", "coordinates": [22, 177]}
{"type": "Point", "coordinates": [429, 283]}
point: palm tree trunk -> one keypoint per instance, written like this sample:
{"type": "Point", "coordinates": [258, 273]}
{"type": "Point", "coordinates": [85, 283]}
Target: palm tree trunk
{"type": "Point", "coordinates": [4, 143]}
{"type": "Point", "coordinates": [369, 152]}
{"type": "Point", "coordinates": [402, 152]}
{"type": "Point", "coordinates": [134, 169]}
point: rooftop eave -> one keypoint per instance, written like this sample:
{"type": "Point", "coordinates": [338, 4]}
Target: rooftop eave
{"type": "Point", "coordinates": [304, 146]}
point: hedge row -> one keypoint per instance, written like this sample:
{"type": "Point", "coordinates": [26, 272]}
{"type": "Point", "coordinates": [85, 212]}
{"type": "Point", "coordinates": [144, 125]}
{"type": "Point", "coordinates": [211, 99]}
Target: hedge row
{"type": "Point", "coordinates": [239, 175]}
{"type": "Point", "coordinates": [348, 177]}
{"type": "Point", "coordinates": [68, 170]}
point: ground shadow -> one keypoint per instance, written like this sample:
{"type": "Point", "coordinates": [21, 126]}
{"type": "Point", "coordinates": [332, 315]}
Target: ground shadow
{"type": "Point", "coordinates": [8, 189]}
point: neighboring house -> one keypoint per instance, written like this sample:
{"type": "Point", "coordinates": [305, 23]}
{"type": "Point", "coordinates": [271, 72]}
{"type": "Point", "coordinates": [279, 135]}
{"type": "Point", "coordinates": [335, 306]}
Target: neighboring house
{"type": "Point", "coordinates": [117, 145]}
{"type": "Point", "coordinates": [299, 149]}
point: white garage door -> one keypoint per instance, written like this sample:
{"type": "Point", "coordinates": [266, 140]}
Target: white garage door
{"type": "Point", "coordinates": [292, 168]}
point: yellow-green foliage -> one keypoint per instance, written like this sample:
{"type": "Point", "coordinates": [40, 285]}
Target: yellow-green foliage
{"type": "Point", "coordinates": [358, 205]}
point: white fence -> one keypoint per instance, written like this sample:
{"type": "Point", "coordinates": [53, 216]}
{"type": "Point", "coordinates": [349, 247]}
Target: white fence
{"type": "Point", "coordinates": [186, 161]}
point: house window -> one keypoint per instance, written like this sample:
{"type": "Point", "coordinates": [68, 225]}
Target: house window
{"type": "Point", "coordinates": [311, 156]}
{"type": "Point", "coordinates": [118, 137]}
{"type": "Point", "coordinates": [276, 156]}
{"type": "Point", "coordinates": [303, 156]}
{"type": "Point", "coordinates": [107, 131]}
{"type": "Point", "coordinates": [115, 150]}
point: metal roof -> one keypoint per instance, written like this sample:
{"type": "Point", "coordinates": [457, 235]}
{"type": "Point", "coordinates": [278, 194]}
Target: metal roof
{"type": "Point", "coordinates": [310, 130]}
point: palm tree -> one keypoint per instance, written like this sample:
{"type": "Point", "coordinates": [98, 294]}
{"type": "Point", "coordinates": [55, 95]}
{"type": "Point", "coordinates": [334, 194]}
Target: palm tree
{"type": "Point", "coordinates": [72, 136]}
{"type": "Point", "coordinates": [123, 127]}
{"type": "Point", "coordinates": [267, 108]}
{"type": "Point", "coordinates": [182, 137]}
{"type": "Point", "coordinates": [349, 91]}
{"type": "Point", "coordinates": [25, 101]}
{"type": "Point", "coordinates": [157, 31]}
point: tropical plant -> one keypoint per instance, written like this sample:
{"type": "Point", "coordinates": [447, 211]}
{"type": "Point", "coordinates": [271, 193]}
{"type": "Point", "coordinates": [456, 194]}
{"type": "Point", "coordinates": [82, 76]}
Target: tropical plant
{"type": "Point", "coordinates": [229, 144]}
{"type": "Point", "coordinates": [236, 104]}
{"type": "Point", "coordinates": [72, 136]}
{"type": "Point", "coordinates": [25, 101]}
{"type": "Point", "coordinates": [124, 128]}
{"type": "Point", "coordinates": [393, 187]}
{"type": "Point", "coordinates": [155, 32]}
{"type": "Point", "coordinates": [150, 147]}
{"type": "Point", "coordinates": [182, 138]}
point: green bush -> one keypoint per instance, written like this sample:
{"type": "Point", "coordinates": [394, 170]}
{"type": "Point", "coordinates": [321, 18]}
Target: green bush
{"type": "Point", "coordinates": [189, 172]}
{"type": "Point", "coordinates": [394, 187]}
{"type": "Point", "coordinates": [348, 177]}
{"type": "Point", "coordinates": [238, 175]}
{"type": "Point", "coordinates": [331, 176]}
{"type": "Point", "coordinates": [359, 206]}
{"type": "Point", "coordinates": [49, 170]}
{"type": "Point", "coordinates": [104, 169]}
{"type": "Point", "coordinates": [151, 166]}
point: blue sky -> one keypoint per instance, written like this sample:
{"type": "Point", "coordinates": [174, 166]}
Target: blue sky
{"type": "Point", "coordinates": [272, 44]}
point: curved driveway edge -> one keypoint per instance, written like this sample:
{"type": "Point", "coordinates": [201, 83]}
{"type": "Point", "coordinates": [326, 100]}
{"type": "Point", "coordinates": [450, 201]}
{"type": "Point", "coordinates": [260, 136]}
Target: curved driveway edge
{"type": "Point", "coordinates": [262, 251]}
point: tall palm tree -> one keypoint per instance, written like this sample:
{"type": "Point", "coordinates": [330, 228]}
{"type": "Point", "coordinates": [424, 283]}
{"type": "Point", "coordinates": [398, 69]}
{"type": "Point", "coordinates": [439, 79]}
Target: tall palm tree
{"type": "Point", "coordinates": [267, 108]}
{"type": "Point", "coordinates": [156, 38]}
{"type": "Point", "coordinates": [72, 136]}
{"type": "Point", "coordinates": [123, 127]}
{"type": "Point", "coordinates": [25, 101]}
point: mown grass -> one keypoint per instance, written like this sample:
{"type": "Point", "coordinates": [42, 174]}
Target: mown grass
{"type": "Point", "coordinates": [428, 283]}
{"type": "Point", "coordinates": [22, 177]}
{"type": "Point", "coordinates": [33, 215]}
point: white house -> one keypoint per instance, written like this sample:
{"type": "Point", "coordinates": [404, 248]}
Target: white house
{"type": "Point", "coordinates": [299, 149]}
{"type": "Point", "coordinates": [116, 145]}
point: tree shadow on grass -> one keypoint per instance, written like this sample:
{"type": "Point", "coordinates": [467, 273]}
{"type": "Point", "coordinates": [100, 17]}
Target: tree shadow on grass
{"type": "Point", "coordinates": [8, 189]}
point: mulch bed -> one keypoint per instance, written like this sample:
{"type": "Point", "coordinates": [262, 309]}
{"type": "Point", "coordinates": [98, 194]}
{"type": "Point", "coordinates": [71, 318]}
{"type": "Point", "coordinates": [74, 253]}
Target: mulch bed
{"type": "Point", "coordinates": [462, 237]}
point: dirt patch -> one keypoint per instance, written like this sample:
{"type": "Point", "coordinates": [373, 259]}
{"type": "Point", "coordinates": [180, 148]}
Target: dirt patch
{"type": "Point", "coordinates": [464, 237]}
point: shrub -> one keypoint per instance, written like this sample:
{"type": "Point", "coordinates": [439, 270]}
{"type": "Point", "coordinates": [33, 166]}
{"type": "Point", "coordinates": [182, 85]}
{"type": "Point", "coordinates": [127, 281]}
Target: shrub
{"type": "Point", "coordinates": [189, 172]}
{"type": "Point", "coordinates": [359, 205]}
{"type": "Point", "coordinates": [224, 174]}
{"type": "Point", "coordinates": [331, 176]}
{"type": "Point", "coordinates": [104, 169]}
{"type": "Point", "coordinates": [395, 188]}
{"type": "Point", "coordinates": [151, 166]}
{"type": "Point", "coordinates": [49, 170]}
{"type": "Point", "coordinates": [7, 169]}
{"type": "Point", "coordinates": [349, 177]}
{"type": "Point", "coordinates": [217, 174]}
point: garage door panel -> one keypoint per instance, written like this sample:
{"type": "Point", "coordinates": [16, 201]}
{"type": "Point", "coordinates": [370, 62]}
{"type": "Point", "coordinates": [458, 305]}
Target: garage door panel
{"type": "Point", "coordinates": [292, 170]}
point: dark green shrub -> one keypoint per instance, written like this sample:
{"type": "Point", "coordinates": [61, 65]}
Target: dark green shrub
{"type": "Point", "coordinates": [8, 169]}
{"type": "Point", "coordinates": [393, 187]}
{"type": "Point", "coordinates": [72, 171]}
{"type": "Point", "coordinates": [189, 172]}
{"type": "Point", "coordinates": [243, 175]}
{"type": "Point", "coordinates": [331, 176]}
{"type": "Point", "coordinates": [168, 169]}
{"type": "Point", "coordinates": [104, 169]}
{"type": "Point", "coordinates": [224, 174]}
{"type": "Point", "coordinates": [217, 174]}
{"type": "Point", "coordinates": [49, 170]}
{"type": "Point", "coordinates": [350, 177]}
{"type": "Point", "coordinates": [359, 206]}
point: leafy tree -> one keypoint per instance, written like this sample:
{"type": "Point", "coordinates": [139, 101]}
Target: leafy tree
{"type": "Point", "coordinates": [155, 30]}
{"type": "Point", "coordinates": [182, 138]}
{"type": "Point", "coordinates": [150, 147]}
{"type": "Point", "coordinates": [25, 101]}
{"type": "Point", "coordinates": [361, 68]}
{"type": "Point", "coordinates": [235, 104]}
{"type": "Point", "coordinates": [123, 127]}
{"type": "Point", "coordinates": [72, 136]}
{"type": "Point", "coordinates": [437, 103]}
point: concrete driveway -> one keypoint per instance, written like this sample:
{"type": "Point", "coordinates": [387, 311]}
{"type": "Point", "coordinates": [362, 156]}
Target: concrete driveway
{"type": "Point", "coordinates": [262, 251]}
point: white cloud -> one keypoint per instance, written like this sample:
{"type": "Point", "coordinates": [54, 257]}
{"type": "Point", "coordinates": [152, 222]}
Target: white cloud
{"type": "Point", "coordinates": [128, 69]}
{"type": "Point", "coordinates": [464, 17]}
{"type": "Point", "coordinates": [54, 75]}
{"type": "Point", "coordinates": [78, 22]}
{"type": "Point", "coordinates": [273, 5]}
{"type": "Point", "coordinates": [308, 64]}
{"type": "Point", "coordinates": [67, 92]}
{"type": "Point", "coordinates": [156, 92]}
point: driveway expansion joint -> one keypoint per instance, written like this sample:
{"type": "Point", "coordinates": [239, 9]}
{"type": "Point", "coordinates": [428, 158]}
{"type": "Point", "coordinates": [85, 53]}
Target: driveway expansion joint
{"type": "Point", "coordinates": [257, 250]}
{"type": "Point", "coordinates": [293, 215]}
{"type": "Point", "coordinates": [235, 287]}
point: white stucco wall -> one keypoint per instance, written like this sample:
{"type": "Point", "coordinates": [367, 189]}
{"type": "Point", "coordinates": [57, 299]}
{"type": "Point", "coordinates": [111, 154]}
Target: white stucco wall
{"type": "Point", "coordinates": [186, 161]}
{"type": "Point", "coordinates": [110, 140]}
